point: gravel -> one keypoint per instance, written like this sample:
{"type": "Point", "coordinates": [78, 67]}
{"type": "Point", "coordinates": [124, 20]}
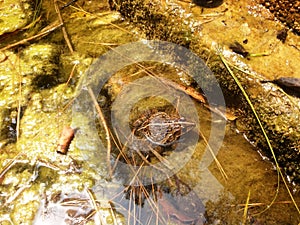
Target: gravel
{"type": "Point", "coordinates": [286, 11]}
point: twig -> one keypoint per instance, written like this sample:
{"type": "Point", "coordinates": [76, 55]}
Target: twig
{"type": "Point", "coordinates": [257, 204]}
{"type": "Point", "coordinates": [187, 90]}
{"type": "Point", "coordinates": [102, 120]}
{"type": "Point", "coordinates": [197, 96]}
{"type": "Point", "coordinates": [19, 101]}
{"type": "Point", "coordinates": [223, 173]}
{"type": "Point", "coordinates": [165, 162]}
{"type": "Point", "coordinates": [112, 212]}
{"type": "Point", "coordinates": [122, 148]}
{"type": "Point", "coordinates": [19, 112]}
{"type": "Point", "coordinates": [63, 28]}
{"type": "Point", "coordinates": [44, 32]}
{"type": "Point", "coordinates": [5, 57]}
{"type": "Point", "coordinates": [9, 165]}
{"type": "Point", "coordinates": [94, 204]}
{"type": "Point", "coordinates": [29, 26]}
{"type": "Point", "coordinates": [67, 4]}
{"type": "Point", "coordinates": [71, 74]}
{"type": "Point", "coordinates": [246, 209]}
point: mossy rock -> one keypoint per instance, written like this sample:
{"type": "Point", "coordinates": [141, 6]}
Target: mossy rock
{"type": "Point", "coordinates": [278, 112]}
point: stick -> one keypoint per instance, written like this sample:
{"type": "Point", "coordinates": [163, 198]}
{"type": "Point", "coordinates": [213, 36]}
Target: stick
{"type": "Point", "coordinates": [94, 204]}
{"type": "Point", "coordinates": [44, 32]}
{"type": "Point", "coordinates": [63, 28]}
{"type": "Point", "coordinates": [102, 120]}
{"type": "Point", "coordinates": [9, 165]}
{"type": "Point", "coordinates": [246, 209]}
{"type": "Point", "coordinates": [187, 90]}
{"type": "Point", "coordinates": [222, 171]}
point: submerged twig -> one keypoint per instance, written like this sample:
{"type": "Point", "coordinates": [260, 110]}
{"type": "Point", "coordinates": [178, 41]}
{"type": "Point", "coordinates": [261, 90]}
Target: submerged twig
{"type": "Point", "coordinates": [71, 74]}
{"type": "Point", "coordinates": [246, 209]}
{"type": "Point", "coordinates": [136, 183]}
{"type": "Point", "coordinates": [44, 32]}
{"type": "Point", "coordinates": [103, 121]}
{"type": "Point", "coordinates": [19, 100]}
{"type": "Point", "coordinates": [121, 149]}
{"type": "Point", "coordinates": [165, 162]}
{"type": "Point", "coordinates": [32, 24]}
{"type": "Point", "coordinates": [112, 212]}
{"type": "Point", "coordinates": [187, 90]}
{"type": "Point", "coordinates": [68, 4]}
{"type": "Point", "coordinates": [9, 165]}
{"type": "Point", "coordinates": [63, 28]}
{"type": "Point", "coordinates": [223, 173]}
{"type": "Point", "coordinates": [258, 204]}
{"type": "Point", "coordinates": [94, 204]}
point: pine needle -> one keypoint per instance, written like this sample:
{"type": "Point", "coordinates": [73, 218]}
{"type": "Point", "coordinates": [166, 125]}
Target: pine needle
{"type": "Point", "coordinates": [246, 209]}
{"type": "Point", "coordinates": [222, 171]}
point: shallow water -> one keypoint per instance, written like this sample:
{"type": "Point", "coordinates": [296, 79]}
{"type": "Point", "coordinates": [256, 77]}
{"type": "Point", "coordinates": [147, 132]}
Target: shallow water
{"type": "Point", "coordinates": [58, 188]}
{"type": "Point", "coordinates": [222, 184]}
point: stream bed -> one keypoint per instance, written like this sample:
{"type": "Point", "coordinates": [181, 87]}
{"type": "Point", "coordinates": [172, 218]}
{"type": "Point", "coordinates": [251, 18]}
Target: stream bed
{"type": "Point", "coordinates": [151, 137]}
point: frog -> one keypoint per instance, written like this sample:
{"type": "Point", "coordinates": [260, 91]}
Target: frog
{"type": "Point", "coordinates": [159, 130]}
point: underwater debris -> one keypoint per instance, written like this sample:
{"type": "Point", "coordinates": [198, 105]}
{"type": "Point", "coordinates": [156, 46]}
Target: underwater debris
{"type": "Point", "coordinates": [239, 49]}
{"type": "Point", "coordinates": [65, 140]}
{"type": "Point", "coordinates": [68, 4]}
{"type": "Point", "coordinates": [282, 35]}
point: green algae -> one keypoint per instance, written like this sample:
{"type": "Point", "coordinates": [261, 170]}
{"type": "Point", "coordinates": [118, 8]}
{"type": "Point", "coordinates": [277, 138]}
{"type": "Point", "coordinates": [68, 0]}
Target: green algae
{"type": "Point", "coordinates": [14, 15]}
{"type": "Point", "coordinates": [41, 70]}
